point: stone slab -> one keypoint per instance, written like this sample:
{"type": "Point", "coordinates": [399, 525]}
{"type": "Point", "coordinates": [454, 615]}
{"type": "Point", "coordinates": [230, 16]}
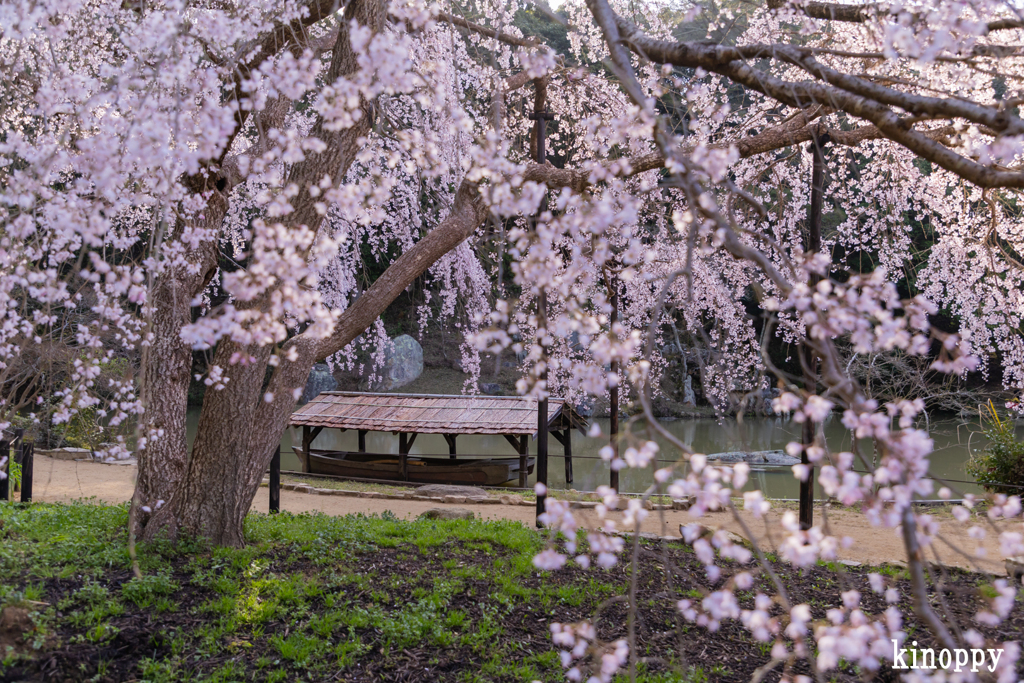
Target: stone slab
{"type": "Point", "coordinates": [451, 490]}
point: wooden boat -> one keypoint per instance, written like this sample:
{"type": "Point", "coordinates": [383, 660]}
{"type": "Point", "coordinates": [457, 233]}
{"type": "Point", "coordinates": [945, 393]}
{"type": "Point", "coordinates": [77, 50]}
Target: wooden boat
{"type": "Point", "coordinates": [422, 469]}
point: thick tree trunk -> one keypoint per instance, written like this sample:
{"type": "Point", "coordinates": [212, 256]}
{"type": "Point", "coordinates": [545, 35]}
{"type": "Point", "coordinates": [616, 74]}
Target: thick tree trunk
{"type": "Point", "coordinates": [222, 475]}
{"type": "Point", "coordinates": [167, 366]}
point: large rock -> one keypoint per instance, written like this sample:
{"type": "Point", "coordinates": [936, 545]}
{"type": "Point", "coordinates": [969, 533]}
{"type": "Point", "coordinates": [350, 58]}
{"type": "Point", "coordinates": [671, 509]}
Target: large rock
{"type": "Point", "coordinates": [402, 364]}
{"type": "Point", "coordinates": [490, 388]}
{"type": "Point", "coordinates": [320, 380]}
{"type": "Point", "coordinates": [689, 398]}
{"type": "Point", "coordinates": [778, 458]}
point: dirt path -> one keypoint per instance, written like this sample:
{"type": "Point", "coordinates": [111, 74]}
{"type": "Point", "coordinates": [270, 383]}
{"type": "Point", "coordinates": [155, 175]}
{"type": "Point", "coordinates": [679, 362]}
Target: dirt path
{"type": "Point", "coordinates": [64, 481]}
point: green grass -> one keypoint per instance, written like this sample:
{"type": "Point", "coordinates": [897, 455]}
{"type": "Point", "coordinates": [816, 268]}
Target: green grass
{"type": "Point", "coordinates": [303, 600]}
{"type": "Point", "coordinates": [312, 597]}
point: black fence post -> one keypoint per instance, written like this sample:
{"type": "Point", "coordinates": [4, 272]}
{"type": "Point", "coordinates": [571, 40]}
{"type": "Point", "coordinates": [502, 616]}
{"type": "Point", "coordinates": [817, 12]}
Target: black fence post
{"type": "Point", "coordinates": [613, 394]}
{"type": "Point", "coordinates": [810, 360]}
{"type": "Point", "coordinates": [5, 482]}
{"type": "Point", "coordinates": [28, 451]}
{"type": "Point", "coordinates": [275, 481]}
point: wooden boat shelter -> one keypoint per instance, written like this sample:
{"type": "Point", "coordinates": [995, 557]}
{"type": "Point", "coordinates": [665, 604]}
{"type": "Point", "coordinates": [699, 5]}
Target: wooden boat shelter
{"type": "Point", "coordinates": [408, 415]}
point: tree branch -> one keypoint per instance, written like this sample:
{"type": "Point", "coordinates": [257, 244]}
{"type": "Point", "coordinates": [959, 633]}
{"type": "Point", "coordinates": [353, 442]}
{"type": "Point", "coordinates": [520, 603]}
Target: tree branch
{"type": "Point", "coordinates": [859, 14]}
{"type": "Point", "coordinates": [858, 100]}
{"type": "Point", "coordinates": [489, 32]}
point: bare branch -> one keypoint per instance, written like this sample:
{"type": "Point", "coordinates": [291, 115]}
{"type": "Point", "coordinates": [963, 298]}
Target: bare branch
{"type": "Point", "coordinates": [859, 14]}
{"type": "Point", "coordinates": [489, 32]}
{"type": "Point", "coordinates": [858, 97]}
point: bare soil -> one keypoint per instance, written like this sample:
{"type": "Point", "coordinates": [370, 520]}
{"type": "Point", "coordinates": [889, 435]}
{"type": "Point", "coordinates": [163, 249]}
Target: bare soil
{"type": "Point", "coordinates": [64, 481]}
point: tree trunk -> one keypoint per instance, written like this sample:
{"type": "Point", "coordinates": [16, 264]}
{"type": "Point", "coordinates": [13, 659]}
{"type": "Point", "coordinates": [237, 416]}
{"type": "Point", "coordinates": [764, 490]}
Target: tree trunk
{"type": "Point", "coordinates": [226, 466]}
{"type": "Point", "coordinates": [167, 366]}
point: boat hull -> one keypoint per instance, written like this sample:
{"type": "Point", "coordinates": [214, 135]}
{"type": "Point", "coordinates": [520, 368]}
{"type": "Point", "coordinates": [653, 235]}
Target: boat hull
{"type": "Point", "coordinates": [426, 470]}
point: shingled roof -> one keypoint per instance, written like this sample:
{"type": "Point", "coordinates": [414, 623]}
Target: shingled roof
{"type": "Point", "coordinates": [433, 414]}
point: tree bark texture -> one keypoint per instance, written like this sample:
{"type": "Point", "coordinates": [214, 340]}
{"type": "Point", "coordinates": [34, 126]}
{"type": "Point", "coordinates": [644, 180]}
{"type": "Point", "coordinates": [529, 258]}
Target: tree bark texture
{"type": "Point", "coordinates": [167, 366]}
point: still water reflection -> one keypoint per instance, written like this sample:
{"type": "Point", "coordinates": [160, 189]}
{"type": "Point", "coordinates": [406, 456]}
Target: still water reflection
{"type": "Point", "coordinates": [952, 440]}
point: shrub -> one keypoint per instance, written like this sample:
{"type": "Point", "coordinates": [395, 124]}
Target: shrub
{"type": "Point", "coordinates": [1000, 467]}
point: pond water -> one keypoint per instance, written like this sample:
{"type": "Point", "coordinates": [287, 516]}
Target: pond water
{"type": "Point", "coordinates": [952, 441]}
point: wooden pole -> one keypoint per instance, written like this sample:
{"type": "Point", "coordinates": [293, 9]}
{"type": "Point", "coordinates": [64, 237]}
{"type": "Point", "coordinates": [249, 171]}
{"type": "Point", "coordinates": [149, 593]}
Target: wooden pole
{"type": "Point", "coordinates": [403, 455]}
{"type": "Point", "coordinates": [5, 482]}
{"type": "Point", "coordinates": [524, 450]}
{"type": "Point", "coordinates": [362, 440]}
{"type": "Point", "coordinates": [307, 439]}
{"type": "Point", "coordinates": [613, 394]}
{"type": "Point", "coordinates": [567, 449]}
{"type": "Point", "coordinates": [810, 360]}
{"type": "Point", "coordinates": [450, 438]}
{"type": "Point", "coordinates": [541, 116]}
{"type": "Point", "coordinates": [275, 481]}
{"type": "Point", "coordinates": [28, 452]}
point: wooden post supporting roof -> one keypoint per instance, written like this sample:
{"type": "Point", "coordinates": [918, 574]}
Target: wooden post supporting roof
{"type": "Point", "coordinates": [565, 438]}
{"type": "Point", "coordinates": [405, 441]}
{"type": "Point", "coordinates": [308, 434]}
{"type": "Point", "coordinates": [450, 438]}
{"type": "Point", "coordinates": [524, 449]}
{"type": "Point", "coordinates": [304, 464]}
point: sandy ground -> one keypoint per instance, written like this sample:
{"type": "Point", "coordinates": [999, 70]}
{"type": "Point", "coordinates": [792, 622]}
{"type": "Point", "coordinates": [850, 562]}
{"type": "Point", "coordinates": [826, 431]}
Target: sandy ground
{"type": "Point", "coordinates": [64, 481]}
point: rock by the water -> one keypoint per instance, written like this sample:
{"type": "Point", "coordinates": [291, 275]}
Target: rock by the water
{"type": "Point", "coordinates": [777, 458]}
{"type": "Point", "coordinates": [689, 398]}
{"type": "Point", "coordinates": [766, 400]}
{"type": "Point", "coordinates": [451, 490]}
{"type": "Point", "coordinates": [402, 365]}
{"type": "Point", "coordinates": [490, 388]}
{"type": "Point", "coordinates": [448, 513]}
{"type": "Point", "coordinates": [320, 380]}
{"type": "Point", "coordinates": [585, 408]}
